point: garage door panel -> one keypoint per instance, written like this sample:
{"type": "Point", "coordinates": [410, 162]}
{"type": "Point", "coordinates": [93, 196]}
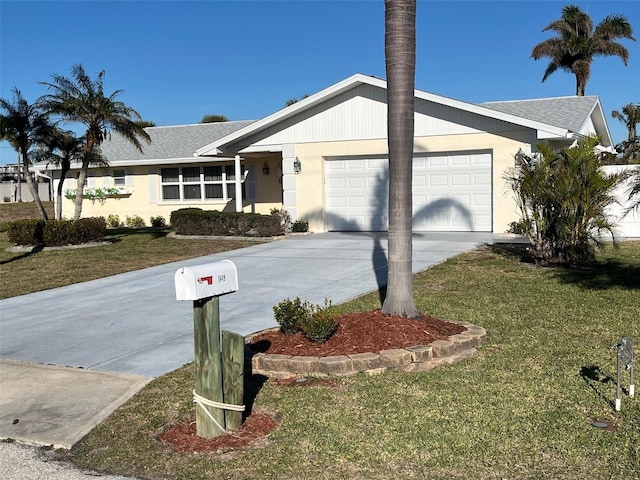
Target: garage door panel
{"type": "Point", "coordinates": [459, 180]}
{"type": "Point", "coordinates": [438, 181]}
{"type": "Point", "coordinates": [450, 193]}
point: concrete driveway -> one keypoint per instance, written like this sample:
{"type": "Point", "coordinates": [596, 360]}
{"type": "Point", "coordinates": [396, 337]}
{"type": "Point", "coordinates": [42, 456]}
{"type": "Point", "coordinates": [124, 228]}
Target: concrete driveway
{"type": "Point", "coordinates": [131, 327]}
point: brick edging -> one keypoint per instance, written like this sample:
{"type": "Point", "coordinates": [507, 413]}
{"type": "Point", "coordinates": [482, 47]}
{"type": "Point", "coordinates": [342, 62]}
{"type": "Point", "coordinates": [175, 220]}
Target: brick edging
{"type": "Point", "coordinates": [418, 358]}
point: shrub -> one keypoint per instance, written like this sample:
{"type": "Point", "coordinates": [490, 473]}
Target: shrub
{"type": "Point", "coordinates": [113, 221]}
{"type": "Point", "coordinates": [74, 232]}
{"type": "Point", "coordinates": [299, 226]}
{"type": "Point", "coordinates": [194, 221]}
{"type": "Point", "coordinates": [320, 325]}
{"type": "Point", "coordinates": [134, 221]}
{"type": "Point", "coordinates": [284, 217]}
{"type": "Point", "coordinates": [518, 228]}
{"type": "Point", "coordinates": [54, 233]}
{"type": "Point", "coordinates": [158, 222]}
{"type": "Point", "coordinates": [563, 198]}
{"type": "Point", "coordinates": [26, 232]}
{"type": "Point", "coordinates": [290, 314]}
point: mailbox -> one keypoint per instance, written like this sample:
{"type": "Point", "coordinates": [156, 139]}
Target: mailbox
{"type": "Point", "coordinates": [208, 280]}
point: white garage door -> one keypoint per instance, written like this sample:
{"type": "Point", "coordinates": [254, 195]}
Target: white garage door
{"type": "Point", "coordinates": [451, 193]}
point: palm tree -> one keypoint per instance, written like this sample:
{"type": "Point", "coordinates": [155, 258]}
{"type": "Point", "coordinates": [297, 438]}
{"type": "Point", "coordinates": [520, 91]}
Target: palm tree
{"type": "Point", "coordinates": [214, 118]}
{"type": "Point", "coordinates": [400, 56]}
{"type": "Point", "coordinates": [578, 43]}
{"type": "Point", "coordinates": [61, 148]}
{"type": "Point", "coordinates": [23, 125]}
{"type": "Point", "coordinates": [564, 197]}
{"type": "Point", "coordinates": [82, 100]}
{"type": "Point", "coordinates": [630, 116]}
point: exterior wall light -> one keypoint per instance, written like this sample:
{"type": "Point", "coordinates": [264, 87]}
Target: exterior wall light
{"type": "Point", "coordinates": [265, 168]}
{"type": "Point", "coordinates": [297, 166]}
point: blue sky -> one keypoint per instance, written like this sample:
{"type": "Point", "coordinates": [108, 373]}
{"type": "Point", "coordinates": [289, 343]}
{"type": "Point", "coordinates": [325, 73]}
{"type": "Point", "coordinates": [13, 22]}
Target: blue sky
{"type": "Point", "coordinates": [179, 60]}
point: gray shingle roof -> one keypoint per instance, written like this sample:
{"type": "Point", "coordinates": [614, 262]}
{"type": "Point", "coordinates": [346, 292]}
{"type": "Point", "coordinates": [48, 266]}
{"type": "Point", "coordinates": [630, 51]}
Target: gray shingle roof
{"type": "Point", "coordinates": [179, 141]}
{"type": "Point", "coordinates": [563, 112]}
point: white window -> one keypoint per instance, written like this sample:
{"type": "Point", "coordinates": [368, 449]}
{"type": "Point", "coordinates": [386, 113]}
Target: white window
{"type": "Point", "coordinates": [211, 182]}
{"type": "Point", "coordinates": [119, 178]}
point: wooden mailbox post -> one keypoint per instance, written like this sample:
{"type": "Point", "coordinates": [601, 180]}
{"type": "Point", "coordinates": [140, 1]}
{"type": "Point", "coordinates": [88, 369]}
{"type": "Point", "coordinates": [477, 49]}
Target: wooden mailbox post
{"type": "Point", "coordinates": [219, 355]}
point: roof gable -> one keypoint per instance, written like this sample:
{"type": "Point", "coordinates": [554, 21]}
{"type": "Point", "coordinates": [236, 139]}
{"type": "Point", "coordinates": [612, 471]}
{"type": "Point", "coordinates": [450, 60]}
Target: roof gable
{"type": "Point", "coordinates": [286, 117]}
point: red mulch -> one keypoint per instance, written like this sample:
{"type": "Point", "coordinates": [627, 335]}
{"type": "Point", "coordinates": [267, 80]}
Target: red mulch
{"type": "Point", "coordinates": [183, 439]}
{"type": "Point", "coordinates": [357, 333]}
{"type": "Point", "coordinates": [360, 333]}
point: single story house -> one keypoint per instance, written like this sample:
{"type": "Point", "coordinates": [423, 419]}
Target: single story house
{"type": "Point", "coordinates": [324, 159]}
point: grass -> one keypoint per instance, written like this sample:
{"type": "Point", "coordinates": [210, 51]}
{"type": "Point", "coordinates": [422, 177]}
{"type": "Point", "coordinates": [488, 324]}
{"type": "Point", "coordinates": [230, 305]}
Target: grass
{"type": "Point", "coordinates": [131, 249]}
{"type": "Point", "coordinates": [521, 409]}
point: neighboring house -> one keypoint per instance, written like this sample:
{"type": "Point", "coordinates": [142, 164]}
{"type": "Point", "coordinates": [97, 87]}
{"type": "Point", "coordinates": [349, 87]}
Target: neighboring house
{"type": "Point", "coordinates": [324, 159]}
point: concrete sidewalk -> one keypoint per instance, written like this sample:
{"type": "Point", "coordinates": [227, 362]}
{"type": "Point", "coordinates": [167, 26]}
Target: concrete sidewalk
{"type": "Point", "coordinates": [120, 331]}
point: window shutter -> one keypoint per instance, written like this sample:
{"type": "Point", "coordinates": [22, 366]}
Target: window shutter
{"type": "Point", "coordinates": [128, 177]}
{"type": "Point", "coordinates": [153, 185]}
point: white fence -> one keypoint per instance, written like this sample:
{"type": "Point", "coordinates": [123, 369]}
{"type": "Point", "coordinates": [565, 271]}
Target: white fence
{"type": "Point", "coordinates": [8, 191]}
{"type": "Point", "coordinates": [629, 225]}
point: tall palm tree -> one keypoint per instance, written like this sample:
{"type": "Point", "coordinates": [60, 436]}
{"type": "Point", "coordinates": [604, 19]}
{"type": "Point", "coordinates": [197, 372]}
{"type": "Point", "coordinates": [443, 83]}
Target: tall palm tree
{"type": "Point", "coordinates": [578, 43]}
{"type": "Point", "coordinates": [81, 99]}
{"type": "Point", "coordinates": [23, 125]}
{"type": "Point", "coordinates": [62, 148]}
{"type": "Point", "coordinates": [630, 116]}
{"type": "Point", "coordinates": [400, 56]}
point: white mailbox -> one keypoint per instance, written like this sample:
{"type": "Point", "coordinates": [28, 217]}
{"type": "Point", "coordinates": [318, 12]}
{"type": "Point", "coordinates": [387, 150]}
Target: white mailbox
{"type": "Point", "coordinates": [208, 280]}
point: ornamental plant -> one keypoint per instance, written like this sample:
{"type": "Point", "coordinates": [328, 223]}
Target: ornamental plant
{"type": "Point", "coordinates": [290, 314]}
{"type": "Point", "coordinates": [563, 196]}
{"type": "Point", "coordinates": [316, 322]}
{"type": "Point", "coordinates": [320, 325]}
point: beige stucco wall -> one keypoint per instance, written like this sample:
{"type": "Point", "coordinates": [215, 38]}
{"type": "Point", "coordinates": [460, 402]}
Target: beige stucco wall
{"type": "Point", "coordinates": [146, 197]}
{"type": "Point", "coordinates": [310, 182]}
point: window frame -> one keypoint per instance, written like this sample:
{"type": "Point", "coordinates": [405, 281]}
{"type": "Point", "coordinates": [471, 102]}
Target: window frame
{"type": "Point", "coordinates": [206, 179]}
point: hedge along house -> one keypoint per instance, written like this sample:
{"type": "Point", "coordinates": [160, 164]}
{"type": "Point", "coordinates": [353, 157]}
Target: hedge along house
{"type": "Point", "coordinates": [324, 159]}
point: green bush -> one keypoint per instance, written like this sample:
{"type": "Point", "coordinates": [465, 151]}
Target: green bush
{"type": "Point", "coordinates": [53, 233]}
{"type": "Point", "coordinates": [74, 232]}
{"type": "Point", "coordinates": [285, 218]}
{"type": "Point", "coordinates": [518, 228]}
{"type": "Point", "coordinates": [26, 232]}
{"type": "Point", "coordinates": [290, 314]}
{"type": "Point", "coordinates": [158, 222]}
{"type": "Point", "coordinates": [113, 221]}
{"type": "Point", "coordinates": [195, 221]}
{"type": "Point", "coordinates": [299, 226]}
{"type": "Point", "coordinates": [563, 197]}
{"type": "Point", "coordinates": [320, 325]}
{"type": "Point", "coordinates": [134, 221]}
{"type": "Point", "coordinates": [317, 322]}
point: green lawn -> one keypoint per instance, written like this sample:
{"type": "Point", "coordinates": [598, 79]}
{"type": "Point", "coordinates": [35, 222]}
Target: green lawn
{"type": "Point", "coordinates": [132, 249]}
{"type": "Point", "coordinates": [521, 409]}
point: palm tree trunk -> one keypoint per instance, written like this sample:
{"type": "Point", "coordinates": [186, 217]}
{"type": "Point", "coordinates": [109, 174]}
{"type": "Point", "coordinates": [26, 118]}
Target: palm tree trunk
{"type": "Point", "coordinates": [82, 177]}
{"type": "Point", "coordinates": [65, 167]}
{"type": "Point", "coordinates": [400, 55]}
{"type": "Point", "coordinates": [19, 184]}
{"type": "Point", "coordinates": [32, 188]}
{"type": "Point", "coordinates": [580, 87]}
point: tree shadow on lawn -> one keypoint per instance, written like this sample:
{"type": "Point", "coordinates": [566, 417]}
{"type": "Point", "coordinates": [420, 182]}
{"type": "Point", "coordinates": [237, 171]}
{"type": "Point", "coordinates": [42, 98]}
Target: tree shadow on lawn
{"type": "Point", "coordinates": [22, 256]}
{"type": "Point", "coordinates": [593, 276]}
{"type": "Point", "coordinates": [517, 252]}
{"type": "Point", "coordinates": [601, 275]}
